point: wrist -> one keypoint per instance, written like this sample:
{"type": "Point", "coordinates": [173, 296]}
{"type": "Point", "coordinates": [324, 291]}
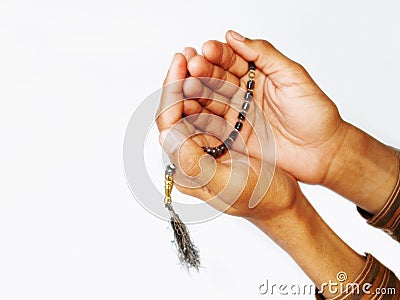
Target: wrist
{"type": "Point", "coordinates": [319, 252]}
{"type": "Point", "coordinates": [362, 169]}
{"type": "Point", "coordinates": [279, 224]}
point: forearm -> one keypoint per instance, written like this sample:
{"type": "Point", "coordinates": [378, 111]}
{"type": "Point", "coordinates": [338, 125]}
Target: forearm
{"type": "Point", "coordinates": [363, 170]}
{"type": "Point", "coordinates": [321, 254]}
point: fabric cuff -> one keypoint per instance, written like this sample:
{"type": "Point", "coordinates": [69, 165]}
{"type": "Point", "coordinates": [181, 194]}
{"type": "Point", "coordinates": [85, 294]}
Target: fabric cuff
{"type": "Point", "coordinates": [375, 282]}
{"type": "Point", "coordinates": [388, 218]}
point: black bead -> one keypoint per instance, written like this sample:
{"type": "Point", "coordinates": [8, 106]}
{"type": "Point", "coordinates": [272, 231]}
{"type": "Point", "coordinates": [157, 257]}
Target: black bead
{"type": "Point", "coordinates": [218, 152]}
{"type": "Point", "coordinates": [242, 115]}
{"type": "Point", "coordinates": [248, 95]}
{"type": "Point", "coordinates": [246, 106]}
{"type": "Point", "coordinates": [209, 150]}
{"type": "Point", "coordinates": [238, 125]}
{"type": "Point", "coordinates": [252, 65]}
{"type": "Point", "coordinates": [234, 134]}
{"type": "Point", "coordinates": [228, 143]}
{"type": "Point", "coordinates": [213, 152]}
{"type": "Point", "coordinates": [222, 147]}
{"type": "Point", "coordinates": [250, 84]}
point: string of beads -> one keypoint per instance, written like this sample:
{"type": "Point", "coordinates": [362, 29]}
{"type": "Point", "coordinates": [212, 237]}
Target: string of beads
{"type": "Point", "coordinates": [248, 96]}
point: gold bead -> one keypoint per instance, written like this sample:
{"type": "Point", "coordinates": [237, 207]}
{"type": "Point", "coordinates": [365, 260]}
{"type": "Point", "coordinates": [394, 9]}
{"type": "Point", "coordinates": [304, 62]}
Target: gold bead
{"type": "Point", "coordinates": [167, 200]}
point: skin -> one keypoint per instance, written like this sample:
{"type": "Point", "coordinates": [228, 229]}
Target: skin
{"type": "Point", "coordinates": [283, 212]}
{"type": "Point", "coordinates": [313, 145]}
{"type": "Point", "coordinates": [307, 128]}
{"type": "Point", "coordinates": [233, 170]}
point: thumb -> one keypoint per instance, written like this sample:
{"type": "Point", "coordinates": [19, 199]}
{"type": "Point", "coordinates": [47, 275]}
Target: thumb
{"type": "Point", "coordinates": [266, 57]}
{"type": "Point", "coordinates": [195, 168]}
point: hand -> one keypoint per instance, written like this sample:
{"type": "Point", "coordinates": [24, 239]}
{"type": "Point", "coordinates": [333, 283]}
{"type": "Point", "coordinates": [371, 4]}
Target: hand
{"type": "Point", "coordinates": [307, 127]}
{"type": "Point", "coordinates": [238, 185]}
{"type": "Point", "coordinates": [230, 182]}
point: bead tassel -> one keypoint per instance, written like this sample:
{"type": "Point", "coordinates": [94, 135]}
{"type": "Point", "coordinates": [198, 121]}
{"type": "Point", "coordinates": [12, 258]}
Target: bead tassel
{"type": "Point", "coordinates": [187, 251]}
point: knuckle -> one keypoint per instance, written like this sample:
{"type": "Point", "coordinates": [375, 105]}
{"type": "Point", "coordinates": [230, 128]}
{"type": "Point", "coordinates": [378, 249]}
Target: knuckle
{"type": "Point", "coordinates": [263, 44]}
{"type": "Point", "coordinates": [266, 44]}
{"type": "Point", "coordinates": [299, 70]}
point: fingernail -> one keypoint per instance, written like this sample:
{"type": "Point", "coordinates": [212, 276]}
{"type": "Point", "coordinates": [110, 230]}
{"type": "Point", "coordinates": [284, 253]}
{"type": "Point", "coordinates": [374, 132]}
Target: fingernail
{"type": "Point", "coordinates": [237, 36]}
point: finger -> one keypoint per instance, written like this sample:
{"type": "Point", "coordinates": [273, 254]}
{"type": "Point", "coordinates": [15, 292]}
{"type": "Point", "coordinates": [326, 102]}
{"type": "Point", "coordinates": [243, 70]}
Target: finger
{"type": "Point", "coordinates": [204, 139]}
{"type": "Point", "coordinates": [194, 88]}
{"type": "Point", "coordinates": [265, 56]}
{"type": "Point", "coordinates": [189, 52]}
{"type": "Point", "coordinates": [201, 99]}
{"type": "Point", "coordinates": [191, 107]}
{"type": "Point", "coordinates": [194, 167]}
{"type": "Point", "coordinates": [221, 54]}
{"type": "Point", "coordinates": [219, 80]}
{"type": "Point", "coordinates": [215, 116]}
{"type": "Point", "coordinates": [171, 104]}
{"type": "Point", "coordinates": [220, 128]}
{"type": "Point", "coordinates": [187, 127]}
{"type": "Point", "coordinates": [236, 189]}
{"type": "Point", "coordinates": [210, 124]}
{"type": "Point", "coordinates": [225, 187]}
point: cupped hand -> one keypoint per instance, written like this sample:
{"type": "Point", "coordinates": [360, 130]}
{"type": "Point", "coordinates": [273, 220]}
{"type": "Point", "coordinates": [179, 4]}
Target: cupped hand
{"type": "Point", "coordinates": [235, 183]}
{"type": "Point", "coordinates": [306, 125]}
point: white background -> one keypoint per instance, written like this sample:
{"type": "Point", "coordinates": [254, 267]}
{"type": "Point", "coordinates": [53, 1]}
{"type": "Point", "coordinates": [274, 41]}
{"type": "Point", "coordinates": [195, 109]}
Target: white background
{"type": "Point", "coordinates": [72, 73]}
